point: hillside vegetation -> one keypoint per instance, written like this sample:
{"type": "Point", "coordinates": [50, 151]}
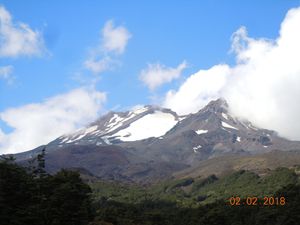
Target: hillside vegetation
{"type": "Point", "coordinates": [193, 192]}
{"type": "Point", "coordinates": [30, 196]}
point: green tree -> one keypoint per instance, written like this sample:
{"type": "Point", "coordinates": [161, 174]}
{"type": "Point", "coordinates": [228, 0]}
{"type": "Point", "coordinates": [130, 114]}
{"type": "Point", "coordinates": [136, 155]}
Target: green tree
{"type": "Point", "coordinates": [37, 198]}
{"type": "Point", "coordinates": [16, 195]}
{"type": "Point", "coordinates": [69, 201]}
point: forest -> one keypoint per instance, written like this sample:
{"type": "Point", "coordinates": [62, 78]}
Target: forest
{"type": "Point", "coordinates": [29, 195]}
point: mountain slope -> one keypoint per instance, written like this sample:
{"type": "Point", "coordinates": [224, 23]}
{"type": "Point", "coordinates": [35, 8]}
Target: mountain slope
{"type": "Point", "coordinates": [152, 143]}
{"type": "Point", "coordinates": [258, 163]}
{"type": "Point", "coordinates": [210, 133]}
{"type": "Point", "coordinates": [116, 127]}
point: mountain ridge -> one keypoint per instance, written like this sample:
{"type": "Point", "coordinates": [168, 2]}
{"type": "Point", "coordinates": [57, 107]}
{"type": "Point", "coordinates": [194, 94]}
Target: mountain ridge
{"type": "Point", "coordinates": [152, 143]}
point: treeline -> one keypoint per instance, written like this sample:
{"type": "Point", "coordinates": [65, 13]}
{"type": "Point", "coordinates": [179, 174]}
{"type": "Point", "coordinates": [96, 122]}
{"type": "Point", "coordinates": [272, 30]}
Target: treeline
{"type": "Point", "coordinates": [30, 196]}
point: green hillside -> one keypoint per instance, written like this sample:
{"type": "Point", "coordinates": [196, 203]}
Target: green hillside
{"type": "Point", "coordinates": [199, 191]}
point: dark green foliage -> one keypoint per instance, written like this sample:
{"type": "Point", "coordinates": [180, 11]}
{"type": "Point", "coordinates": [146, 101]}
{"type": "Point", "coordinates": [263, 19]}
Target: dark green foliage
{"type": "Point", "coordinates": [184, 183]}
{"type": "Point", "coordinates": [40, 170]}
{"type": "Point", "coordinates": [37, 198]}
{"type": "Point", "coordinates": [33, 197]}
{"type": "Point", "coordinates": [16, 195]}
{"type": "Point", "coordinates": [201, 201]}
{"type": "Point", "coordinates": [217, 213]}
{"type": "Point", "coordinates": [68, 201]}
{"type": "Point", "coordinates": [202, 182]}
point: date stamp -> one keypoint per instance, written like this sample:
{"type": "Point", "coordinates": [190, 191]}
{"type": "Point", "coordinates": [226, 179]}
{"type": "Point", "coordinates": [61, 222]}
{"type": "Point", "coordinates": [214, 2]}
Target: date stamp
{"type": "Point", "coordinates": [257, 201]}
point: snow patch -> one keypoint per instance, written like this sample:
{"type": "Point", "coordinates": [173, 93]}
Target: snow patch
{"type": "Point", "coordinates": [226, 130]}
{"type": "Point", "coordinates": [114, 128]}
{"type": "Point", "coordinates": [201, 131]}
{"type": "Point", "coordinates": [78, 138]}
{"type": "Point", "coordinates": [225, 116]}
{"type": "Point", "coordinates": [114, 121]}
{"type": "Point", "coordinates": [81, 133]}
{"type": "Point", "coordinates": [180, 118]}
{"type": "Point", "coordinates": [196, 148]}
{"type": "Point", "coordinates": [106, 140]}
{"type": "Point", "coordinates": [228, 126]}
{"type": "Point", "coordinates": [130, 117]}
{"type": "Point", "coordinates": [64, 140]}
{"type": "Point", "coordinates": [151, 125]}
{"type": "Point", "coordinates": [69, 141]}
{"type": "Point", "coordinates": [91, 129]}
{"type": "Point", "coordinates": [140, 110]}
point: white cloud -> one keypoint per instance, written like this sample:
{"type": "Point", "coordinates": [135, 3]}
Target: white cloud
{"type": "Point", "coordinates": [100, 65]}
{"type": "Point", "coordinates": [6, 73]}
{"type": "Point", "coordinates": [113, 42]}
{"type": "Point", "coordinates": [38, 123]}
{"type": "Point", "coordinates": [197, 90]}
{"type": "Point", "coordinates": [263, 86]}
{"type": "Point", "coordinates": [156, 75]}
{"type": "Point", "coordinates": [17, 38]}
{"type": "Point", "coordinates": [115, 39]}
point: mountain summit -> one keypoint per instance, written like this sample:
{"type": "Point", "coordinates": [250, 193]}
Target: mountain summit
{"type": "Point", "coordinates": [115, 127]}
{"type": "Point", "coordinates": [151, 143]}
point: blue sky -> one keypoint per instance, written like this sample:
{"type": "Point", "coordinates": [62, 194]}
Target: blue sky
{"type": "Point", "coordinates": [169, 32]}
{"type": "Point", "coordinates": [165, 33]}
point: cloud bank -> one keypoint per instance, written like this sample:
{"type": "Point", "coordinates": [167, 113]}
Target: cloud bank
{"type": "Point", "coordinates": [17, 38]}
{"type": "Point", "coordinates": [113, 42]}
{"type": "Point", "coordinates": [156, 75]}
{"type": "Point", "coordinates": [197, 90]}
{"type": "Point", "coordinates": [262, 87]}
{"type": "Point", "coordinates": [37, 124]}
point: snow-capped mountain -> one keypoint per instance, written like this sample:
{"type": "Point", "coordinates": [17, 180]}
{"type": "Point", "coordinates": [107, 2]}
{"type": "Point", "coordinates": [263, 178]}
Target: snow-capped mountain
{"type": "Point", "coordinates": [116, 127]}
{"type": "Point", "coordinates": [151, 143]}
{"type": "Point", "coordinates": [211, 132]}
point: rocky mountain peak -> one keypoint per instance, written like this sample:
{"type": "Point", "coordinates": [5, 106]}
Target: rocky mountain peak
{"type": "Point", "coordinates": [220, 105]}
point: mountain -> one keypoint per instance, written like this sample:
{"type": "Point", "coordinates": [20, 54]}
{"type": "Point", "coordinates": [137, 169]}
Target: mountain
{"type": "Point", "coordinates": [117, 127]}
{"type": "Point", "coordinates": [152, 143]}
{"type": "Point", "coordinates": [213, 131]}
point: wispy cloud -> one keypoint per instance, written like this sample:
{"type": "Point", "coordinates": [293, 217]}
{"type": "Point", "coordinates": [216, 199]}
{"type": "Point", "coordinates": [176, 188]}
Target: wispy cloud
{"type": "Point", "coordinates": [98, 65]}
{"type": "Point", "coordinates": [263, 86]}
{"type": "Point", "coordinates": [38, 123]}
{"type": "Point", "coordinates": [17, 38]}
{"type": "Point", "coordinates": [112, 43]}
{"type": "Point", "coordinates": [6, 73]}
{"type": "Point", "coordinates": [157, 74]}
